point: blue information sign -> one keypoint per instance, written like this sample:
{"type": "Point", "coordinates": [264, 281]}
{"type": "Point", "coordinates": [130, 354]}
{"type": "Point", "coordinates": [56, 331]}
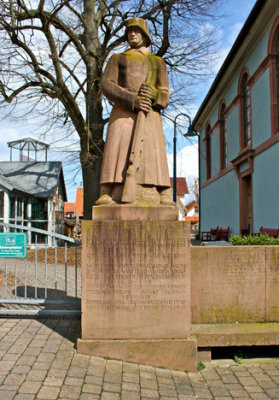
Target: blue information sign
{"type": "Point", "coordinates": [13, 245]}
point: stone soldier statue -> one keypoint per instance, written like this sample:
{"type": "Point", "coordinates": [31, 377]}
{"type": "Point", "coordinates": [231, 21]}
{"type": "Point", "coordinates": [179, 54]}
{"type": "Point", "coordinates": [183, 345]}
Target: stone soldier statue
{"type": "Point", "coordinates": [136, 82]}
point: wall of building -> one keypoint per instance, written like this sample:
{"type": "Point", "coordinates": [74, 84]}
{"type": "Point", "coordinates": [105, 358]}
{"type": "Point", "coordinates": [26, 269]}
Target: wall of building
{"type": "Point", "coordinates": [231, 91]}
{"type": "Point", "coordinates": [234, 284]}
{"type": "Point", "coordinates": [260, 103]}
{"type": "Point", "coordinates": [266, 189]}
{"type": "Point", "coordinates": [202, 155]}
{"type": "Point", "coordinates": [257, 51]}
{"type": "Point", "coordinates": [220, 203]}
{"type": "Point", "coordinates": [223, 187]}
{"type": "Point", "coordinates": [215, 153]}
{"type": "Point", "coordinates": [233, 133]}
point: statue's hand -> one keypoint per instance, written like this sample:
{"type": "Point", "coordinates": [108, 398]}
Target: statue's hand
{"type": "Point", "coordinates": [148, 91]}
{"type": "Point", "coordinates": [142, 103]}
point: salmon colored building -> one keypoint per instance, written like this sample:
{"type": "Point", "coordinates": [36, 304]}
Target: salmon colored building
{"type": "Point", "coordinates": [73, 210]}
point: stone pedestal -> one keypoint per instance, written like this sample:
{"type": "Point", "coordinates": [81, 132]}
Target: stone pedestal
{"type": "Point", "coordinates": [136, 292]}
{"type": "Point", "coordinates": [177, 354]}
{"type": "Point", "coordinates": [134, 213]}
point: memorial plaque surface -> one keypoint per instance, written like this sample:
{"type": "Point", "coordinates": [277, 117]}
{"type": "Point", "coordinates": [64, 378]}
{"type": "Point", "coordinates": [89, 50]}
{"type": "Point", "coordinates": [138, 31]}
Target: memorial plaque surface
{"type": "Point", "coordinates": [228, 284]}
{"type": "Point", "coordinates": [135, 280]}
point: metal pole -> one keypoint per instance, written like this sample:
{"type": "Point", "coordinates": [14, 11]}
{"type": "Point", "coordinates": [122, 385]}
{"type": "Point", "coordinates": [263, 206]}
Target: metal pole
{"type": "Point", "coordinates": [174, 152]}
{"type": "Point", "coordinates": [15, 274]}
{"type": "Point", "coordinates": [76, 293]}
{"type": "Point", "coordinates": [66, 269]}
{"type": "Point", "coordinates": [36, 266]}
{"type": "Point", "coordinates": [174, 161]}
{"type": "Point", "coordinates": [25, 281]}
{"type": "Point", "coordinates": [192, 132]}
{"type": "Point", "coordinates": [6, 278]}
{"type": "Point", "coordinates": [199, 154]}
{"type": "Point", "coordinates": [46, 241]}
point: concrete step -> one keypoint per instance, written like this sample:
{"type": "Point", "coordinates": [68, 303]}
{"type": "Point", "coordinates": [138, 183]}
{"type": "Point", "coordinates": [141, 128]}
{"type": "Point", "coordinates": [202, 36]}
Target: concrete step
{"type": "Point", "coordinates": [237, 334]}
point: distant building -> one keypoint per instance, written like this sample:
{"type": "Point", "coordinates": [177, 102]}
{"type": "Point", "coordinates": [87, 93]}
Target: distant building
{"type": "Point", "coordinates": [192, 215]}
{"type": "Point", "coordinates": [32, 193]}
{"type": "Point", "coordinates": [181, 190]}
{"type": "Point", "coordinates": [238, 123]}
{"type": "Point", "coordinates": [73, 210]}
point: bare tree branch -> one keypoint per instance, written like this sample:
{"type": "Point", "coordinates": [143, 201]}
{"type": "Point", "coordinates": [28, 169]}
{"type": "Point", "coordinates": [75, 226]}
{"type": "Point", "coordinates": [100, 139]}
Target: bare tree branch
{"type": "Point", "coordinates": [52, 55]}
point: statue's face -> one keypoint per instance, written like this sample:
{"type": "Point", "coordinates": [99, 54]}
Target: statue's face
{"type": "Point", "coordinates": [136, 38]}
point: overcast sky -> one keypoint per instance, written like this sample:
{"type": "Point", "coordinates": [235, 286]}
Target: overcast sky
{"type": "Point", "coordinates": [235, 13]}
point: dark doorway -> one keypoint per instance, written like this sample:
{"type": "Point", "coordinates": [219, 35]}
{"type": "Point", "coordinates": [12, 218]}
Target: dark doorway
{"type": "Point", "coordinates": [246, 204]}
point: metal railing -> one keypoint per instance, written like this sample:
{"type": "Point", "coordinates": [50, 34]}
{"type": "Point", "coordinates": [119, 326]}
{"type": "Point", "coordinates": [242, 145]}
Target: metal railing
{"type": "Point", "coordinates": [47, 282]}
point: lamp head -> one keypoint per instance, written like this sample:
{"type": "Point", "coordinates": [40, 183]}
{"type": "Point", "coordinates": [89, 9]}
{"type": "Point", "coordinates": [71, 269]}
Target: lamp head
{"type": "Point", "coordinates": [191, 132]}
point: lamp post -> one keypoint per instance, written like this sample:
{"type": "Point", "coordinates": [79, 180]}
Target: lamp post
{"type": "Point", "coordinates": [189, 133]}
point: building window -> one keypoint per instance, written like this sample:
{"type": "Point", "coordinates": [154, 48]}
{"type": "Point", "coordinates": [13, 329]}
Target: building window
{"type": "Point", "coordinates": [39, 209]}
{"type": "Point", "coordinates": [1, 205]}
{"type": "Point", "coordinates": [208, 151]}
{"type": "Point", "coordinates": [277, 77]}
{"type": "Point", "coordinates": [244, 110]}
{"type": "Point", "coordinates": [18, 210]}
{"type": "Point", "coordinates": [20, 214]}
{"type": "Point", "coordinates": [39, 217]}
{"type": "Point", "coordinates": [223, 138]}
{"type": "Point", "coordinates": [273, 54]}
{"type": "Point", "coordinates": [12, 208]}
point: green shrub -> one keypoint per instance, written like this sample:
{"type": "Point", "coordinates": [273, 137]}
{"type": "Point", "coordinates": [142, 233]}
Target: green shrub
{"type": "Point", "coordinates": [238, 360]}
{"type": "Point", "coordinates": [250, 240]}
{"type": "Point", "coordinates": [201, 366]}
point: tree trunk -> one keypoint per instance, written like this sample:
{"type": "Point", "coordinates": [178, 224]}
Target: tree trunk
{"type": "Point", "coordinates": [91, 178]}
{"type": "Point", "coordinates": [92, 144]}
{"type": "Point", "coordinates": [91, 154]}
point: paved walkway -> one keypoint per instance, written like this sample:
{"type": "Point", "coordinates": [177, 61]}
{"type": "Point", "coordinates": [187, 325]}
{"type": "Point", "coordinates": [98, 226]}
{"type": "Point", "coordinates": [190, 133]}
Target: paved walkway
{"type": "Point", "coordinates": [38, 360]}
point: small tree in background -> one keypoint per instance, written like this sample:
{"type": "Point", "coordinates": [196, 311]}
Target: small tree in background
{"type": "Point", "coordinates": [195, 188]}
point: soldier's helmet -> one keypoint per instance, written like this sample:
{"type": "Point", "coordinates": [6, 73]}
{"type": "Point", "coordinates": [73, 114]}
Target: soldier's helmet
{"type": "Point", "coordinates": [143, 25]}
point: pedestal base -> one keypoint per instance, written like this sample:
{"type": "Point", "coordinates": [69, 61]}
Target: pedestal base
{"type": "Point", "coordinates": [136, 292]}
{"type": "Point", "coordinates": [135, 280]}
{"type": "Point", "coordinates": [178, 354]}
{"type": "Point", "coordinates": [127, 212]}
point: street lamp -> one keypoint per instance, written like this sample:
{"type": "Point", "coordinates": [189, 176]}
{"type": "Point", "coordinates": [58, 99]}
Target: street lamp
{"type": "Point", "coordinates": [190, 132]}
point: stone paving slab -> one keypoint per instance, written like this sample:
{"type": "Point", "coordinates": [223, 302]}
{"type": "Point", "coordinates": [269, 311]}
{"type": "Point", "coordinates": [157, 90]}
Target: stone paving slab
{"type": "Point", "coordinates": [38, 360]}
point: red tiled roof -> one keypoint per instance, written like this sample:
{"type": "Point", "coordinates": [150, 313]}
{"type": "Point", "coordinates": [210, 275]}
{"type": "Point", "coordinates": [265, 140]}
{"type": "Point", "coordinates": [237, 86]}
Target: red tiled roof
{"type": "Point", "coordinates": [181, 185]}
{"type": "Point", "coordinates": [191, 205]}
